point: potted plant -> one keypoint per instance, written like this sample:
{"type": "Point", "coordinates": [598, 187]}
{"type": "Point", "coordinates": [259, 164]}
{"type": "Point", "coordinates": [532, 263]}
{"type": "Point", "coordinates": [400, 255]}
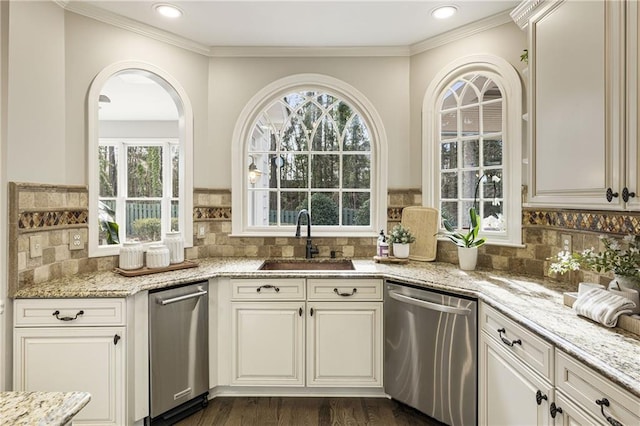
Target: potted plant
{"type": "Point", "coordinates": [400, 237]}
{"type": "Point", "coordinates": [620, 257]}
{"type": "Point", "coordinates": [467, 243]}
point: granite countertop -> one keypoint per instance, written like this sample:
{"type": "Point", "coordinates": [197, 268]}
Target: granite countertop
{"type": "Point", "coordinates": [534, 303]}
{"type": "Point", "coordinates": [41, 408]}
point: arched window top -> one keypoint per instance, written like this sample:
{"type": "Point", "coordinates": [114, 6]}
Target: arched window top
{"type": "Point", "coordinates": [472, 142]}
{"type": "Point", "coordinates": [309, 141]}
{"type": "Point", "coordinates": [140, 154]}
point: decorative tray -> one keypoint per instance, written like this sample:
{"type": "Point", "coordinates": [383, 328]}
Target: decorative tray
{"type": "Point", "coordinates": [146, 271]}
{"type": "Point", "coordinates": [389, 259]}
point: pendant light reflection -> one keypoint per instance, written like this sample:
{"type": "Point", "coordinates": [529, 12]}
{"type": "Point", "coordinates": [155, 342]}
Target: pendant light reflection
{"type": "Point", "coordinates": [254, 172]}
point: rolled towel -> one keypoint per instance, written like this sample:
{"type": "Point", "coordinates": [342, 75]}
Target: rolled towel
{"type": "Point", "coordinates": [602, 306]}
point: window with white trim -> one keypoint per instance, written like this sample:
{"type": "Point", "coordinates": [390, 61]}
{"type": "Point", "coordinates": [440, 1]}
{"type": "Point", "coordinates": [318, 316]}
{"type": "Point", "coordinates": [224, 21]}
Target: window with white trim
{"type": "Point", "coordinates": [309, 146]}
{"type": "Point", "coordinates": [472, 146]}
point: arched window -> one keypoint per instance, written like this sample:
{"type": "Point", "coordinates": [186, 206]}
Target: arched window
{"type": "Point", "coordinates": [472, 146]}
{"type": "Point", "coordinates": [314, 146]}
{"type": "Point", "coordinates": [139, 155]}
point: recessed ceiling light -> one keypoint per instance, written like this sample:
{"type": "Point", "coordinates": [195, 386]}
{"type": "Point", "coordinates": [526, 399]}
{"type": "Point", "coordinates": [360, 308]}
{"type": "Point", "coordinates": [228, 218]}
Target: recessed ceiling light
{"type": "Point", "coordinates": [444, 12]}
{"type": "Point", "coordinates": [168, 10]}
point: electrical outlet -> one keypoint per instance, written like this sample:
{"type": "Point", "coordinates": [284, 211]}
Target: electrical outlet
{"type": "Point", "coordinates": [201, 231]}
{"type": "Point", "coordinates": [75, 240]}
{"type": "Point", "coordinates": [35, 246]}
{"type": "Point", "coordinates": [566, 242]}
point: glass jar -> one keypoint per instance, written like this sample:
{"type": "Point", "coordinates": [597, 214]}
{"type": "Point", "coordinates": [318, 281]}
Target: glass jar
{"type": "Point", "coordinates": [131, 256]}
{"type": "Point", "coordinates": [158, 256]}
{"type": "Point", "coordinates": [175, 243]}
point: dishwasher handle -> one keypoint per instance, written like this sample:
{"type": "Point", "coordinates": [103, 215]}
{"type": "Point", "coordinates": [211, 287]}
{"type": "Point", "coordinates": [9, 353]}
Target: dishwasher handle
{"type": "Point", "coordinates": [165, 302]}
{"type": "Point", "coordinates": [428, 305]}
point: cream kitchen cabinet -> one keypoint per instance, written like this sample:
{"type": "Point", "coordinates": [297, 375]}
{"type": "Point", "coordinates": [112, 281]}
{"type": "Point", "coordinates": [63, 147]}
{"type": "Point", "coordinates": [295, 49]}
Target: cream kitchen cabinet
{"type": "Point", "coordinates": [73, 345]}
{"type": "Point", "coordinates": [300, 332]}
{"type": "Point", "coordinates": [580, 149]}
{"type": "Point", "coordinates": [515, 373]}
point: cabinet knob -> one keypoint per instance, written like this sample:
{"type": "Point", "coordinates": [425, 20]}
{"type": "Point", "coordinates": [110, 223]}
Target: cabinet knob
{"type": "Point", "coordinates": [604, 402]}
{"type": "Point", "coordinates": [626, 194]}
{"type": "Point", "coordinates": [540, 397]}
{"type": "Point", "coordinates": [554, 410]}
{"type": "Point", "coordinates": [611, 195]}
{"type": "Point", "coordinates": [116, 339]}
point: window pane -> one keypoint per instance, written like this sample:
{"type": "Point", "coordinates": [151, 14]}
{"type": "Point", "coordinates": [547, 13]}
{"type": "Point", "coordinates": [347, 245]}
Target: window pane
{"type": "Point", "coordinates": [449, 211]}
{"type": "Point", "coordinates": [492, 187]}
{"type": "Point", "coordinates": [465, 220]}
{"type": "Point", "coordinates": [479, 81]}
{"type": "Point", "coordinates": [144, 168]}
{"type": "Point", "coordinates": [492, 152]}
{"type": "Point", "coordinates": [469, 180]}
{"type": "Point", "coordinates": [341, 114]}
{"type": "Point", "coordinates": [143, 221]}
{"type": "Point", "coordinates": [106, 213]}
{"type": "Point", "coordinates": [449, 155]}
{"type": "Point", "coordinates": [470, 153]}
{"type": "Point", "coordinates": [470, 121]}
{"type": "Point", "coordinates": [491, 92]}
{"type": "Point", "coordinates": [356, 171]}
{"type": "Point", "coordinates": [108, 169]}
{"type": "Point", "coordinates": [356, 208]}
{"type": "Point", "coordinates": [325, 171]}
{"type": "Point", "coordinates": [291, 203]}
{"type": "Point", "coordinates": [492, 117]}
{"type": "Point", "coordinates": [470, 96]}
{"type": "Point", "coordinates": [175, 171]}
{"type": "Point", "coordinates": [294, 136]}
{"type": "Point", "coordinates": [294, 171]}
{"type": "Point", "coordinates": [261, 208]}
{"type": "Point", "coordinates": [449, 100]}
{"type": "Point", "coordinates": [449, 125]}
{"type": "Point", "coordinates": [324, 208]}
{"type": "Point", "coordinates": [493, 219]}
{"type": "Point", "coordinates": [449, 185]}
{"type": "Point", "coordinates": [325, 137]}
{"type": "Point", "coordinates": [356, 137]}
{"type": "Point", "coordinates": [175, 215]}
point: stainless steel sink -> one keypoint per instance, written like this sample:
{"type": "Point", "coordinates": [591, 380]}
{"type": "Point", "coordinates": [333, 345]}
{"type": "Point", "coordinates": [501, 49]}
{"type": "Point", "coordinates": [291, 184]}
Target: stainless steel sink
{"type": "Point", "coordinates": [307, 265]}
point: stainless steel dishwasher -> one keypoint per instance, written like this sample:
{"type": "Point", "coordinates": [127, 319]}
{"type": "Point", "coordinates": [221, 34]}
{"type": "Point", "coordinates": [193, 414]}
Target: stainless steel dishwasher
{"type": "Point", "coordinates": [178, 352]}
{"type": "Point", "coordinates": [431, 352]}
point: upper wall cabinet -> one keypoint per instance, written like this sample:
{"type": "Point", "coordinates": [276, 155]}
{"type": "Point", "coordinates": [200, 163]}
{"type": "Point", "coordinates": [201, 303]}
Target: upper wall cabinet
{"type": "Point", "coordinates": [583, 150]}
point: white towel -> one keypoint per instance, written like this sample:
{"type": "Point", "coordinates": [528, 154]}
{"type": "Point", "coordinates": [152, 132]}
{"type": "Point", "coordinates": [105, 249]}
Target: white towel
{"type": "Point", "coordinates": [602, 306]}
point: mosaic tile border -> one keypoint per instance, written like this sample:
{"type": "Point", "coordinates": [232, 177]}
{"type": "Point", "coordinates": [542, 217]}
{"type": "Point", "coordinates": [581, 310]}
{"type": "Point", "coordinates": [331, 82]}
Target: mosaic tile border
{"type": "Point", "coordinates": [32, 220]}
{"type": "Point", "coordinates": [607, 222]}
{"type": "Point", "coordinates": [212, 213]}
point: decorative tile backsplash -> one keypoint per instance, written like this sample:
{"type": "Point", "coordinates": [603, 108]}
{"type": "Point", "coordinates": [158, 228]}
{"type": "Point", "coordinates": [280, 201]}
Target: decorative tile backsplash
{"type": "Point", "coordinates": [51, 211]}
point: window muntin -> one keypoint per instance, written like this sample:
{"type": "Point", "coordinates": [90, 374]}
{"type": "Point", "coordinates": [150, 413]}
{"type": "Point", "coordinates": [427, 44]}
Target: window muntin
{"type": "Point", "coordinates": [471, 152]}
{"type": "Point", "coordinates": [311, 150]}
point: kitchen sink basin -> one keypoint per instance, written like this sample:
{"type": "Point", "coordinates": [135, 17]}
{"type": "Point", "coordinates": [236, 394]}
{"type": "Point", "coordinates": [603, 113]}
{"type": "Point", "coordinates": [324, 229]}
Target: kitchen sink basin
{"type": "Point", "coordinates": [307, 265]}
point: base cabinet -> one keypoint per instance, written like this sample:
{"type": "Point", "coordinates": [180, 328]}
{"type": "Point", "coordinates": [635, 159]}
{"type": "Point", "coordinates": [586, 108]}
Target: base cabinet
{"type": "Point", "coordinates": [344, 345]}
{"type": "Point", "coordinates": [89, 359]}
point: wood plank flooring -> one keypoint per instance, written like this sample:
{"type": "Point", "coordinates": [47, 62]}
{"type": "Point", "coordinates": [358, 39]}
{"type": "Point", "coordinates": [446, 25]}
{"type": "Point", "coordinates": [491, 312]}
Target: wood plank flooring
{"type": "Point", "coordinates": [252, 411]}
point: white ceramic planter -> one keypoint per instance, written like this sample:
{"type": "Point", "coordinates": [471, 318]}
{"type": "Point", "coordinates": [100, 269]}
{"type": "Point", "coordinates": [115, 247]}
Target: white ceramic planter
{"type": "Point", "coordinates": [401, 251]}
{"type": "Point", "coordinates": [131, 256]}
{"type": "Point", "coordinates": [175, 243]}
{"type": "Point", "coordinates": [158, 256]}
{"type": "Point", "coordinates": [467, 258]}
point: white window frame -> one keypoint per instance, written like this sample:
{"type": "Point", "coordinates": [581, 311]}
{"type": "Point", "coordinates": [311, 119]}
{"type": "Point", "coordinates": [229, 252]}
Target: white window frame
{"type": "Point", "coordinates": [507, 79]}
{"type": "Point", "coordinates": [241, 139]}
{"type": "Point", "coordinates": [185, 137]}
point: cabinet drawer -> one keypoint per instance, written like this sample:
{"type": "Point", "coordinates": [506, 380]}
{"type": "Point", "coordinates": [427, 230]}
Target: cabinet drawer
{"type": "Point", "coordinates": [344, 289]}
{"type": "Point", "coordinates": [68, 312]}
{"type": "Point", "coordinates": [268, 289]}
{"type": "Point", "coordinates": [524, 345]}
{"type": "Point", "coordinates": [585, 387]}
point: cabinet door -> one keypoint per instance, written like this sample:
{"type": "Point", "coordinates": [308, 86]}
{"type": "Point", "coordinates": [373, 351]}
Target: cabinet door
{"type": "Point", "coordinates": [507, 389]}
{"type": "Point", "coordinates": [344, 344]}
{"type": "Point", "coordinates": [633, 104]}
{"type": "Point", "coordinates": [87, 359]}
{"type": "Point", "coordinates": [267, 343]}
{"type": "Point", "coordinates": [570, 414]}
{"type": "Point", "coordinates": [577, 104]}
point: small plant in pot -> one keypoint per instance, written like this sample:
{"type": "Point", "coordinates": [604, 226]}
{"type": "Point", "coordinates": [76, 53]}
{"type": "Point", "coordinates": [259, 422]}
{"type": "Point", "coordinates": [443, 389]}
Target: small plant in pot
{"type": "Point", "coordinates": [400, 237]}
{"type": "Point", "coordinates": [468, 242]}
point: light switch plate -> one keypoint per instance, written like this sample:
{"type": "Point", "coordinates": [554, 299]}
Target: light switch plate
{"type": "Point", "coordinates": [201, 231]}
{"type": "Point", "coordinates": [35, 246]}
{"type": "Point", "coordinates": [75, 240]}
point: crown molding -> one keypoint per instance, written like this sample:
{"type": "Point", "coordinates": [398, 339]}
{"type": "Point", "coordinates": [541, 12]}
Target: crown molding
{"type": "Point", "coordinates": [90, 11]}
{"type": "Point", "coordinates": [285, 51]}
{"type": "Point", "coordinates": [529, 8]}
{"type": "Point", "coordinates": [460, 33]}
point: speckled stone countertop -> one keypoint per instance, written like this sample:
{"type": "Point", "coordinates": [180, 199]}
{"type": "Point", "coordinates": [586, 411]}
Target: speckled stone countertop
{"type": "Point", "coordinates": [535, 304]}
{"type": "Point", "coordinates": [40, 408]}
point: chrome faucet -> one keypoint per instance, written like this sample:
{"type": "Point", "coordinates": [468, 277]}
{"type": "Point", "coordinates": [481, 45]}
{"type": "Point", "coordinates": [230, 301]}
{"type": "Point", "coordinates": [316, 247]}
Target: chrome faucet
{"type": "Point", "coordinates": [310, 250]}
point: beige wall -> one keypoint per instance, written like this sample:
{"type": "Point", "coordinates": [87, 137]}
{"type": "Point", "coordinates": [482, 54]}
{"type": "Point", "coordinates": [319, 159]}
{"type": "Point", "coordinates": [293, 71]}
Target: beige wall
{"type": "Point", "coordinates": [506, 41]}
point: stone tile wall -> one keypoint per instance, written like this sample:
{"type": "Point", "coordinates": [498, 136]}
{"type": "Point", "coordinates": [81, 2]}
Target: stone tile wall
{"type": "Point", "coordinates": [50, 212]}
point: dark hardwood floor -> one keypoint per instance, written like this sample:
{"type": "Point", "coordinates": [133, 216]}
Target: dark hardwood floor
{"type": "Point", "coordinates": [250, 411]}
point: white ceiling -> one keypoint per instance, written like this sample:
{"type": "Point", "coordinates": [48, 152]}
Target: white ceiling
{"type": "Point", "coordinates": [303, 23]}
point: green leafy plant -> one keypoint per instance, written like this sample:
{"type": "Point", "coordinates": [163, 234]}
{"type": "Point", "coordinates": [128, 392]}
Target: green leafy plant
{"type": "Point", "coordinates": [525, 56]}
{"type": "Point", "coordinates": [620, 257]}
{"type": "Point", "coordinates": [401, 235]}
{"type": "Point", "coordinates": [470, 239]}
{"type": "Point", "coordinates": [108, 225]}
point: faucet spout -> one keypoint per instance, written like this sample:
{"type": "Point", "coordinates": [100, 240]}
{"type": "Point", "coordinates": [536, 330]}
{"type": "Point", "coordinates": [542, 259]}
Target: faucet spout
{"type": "Point", "coordinates": [310, 250]}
